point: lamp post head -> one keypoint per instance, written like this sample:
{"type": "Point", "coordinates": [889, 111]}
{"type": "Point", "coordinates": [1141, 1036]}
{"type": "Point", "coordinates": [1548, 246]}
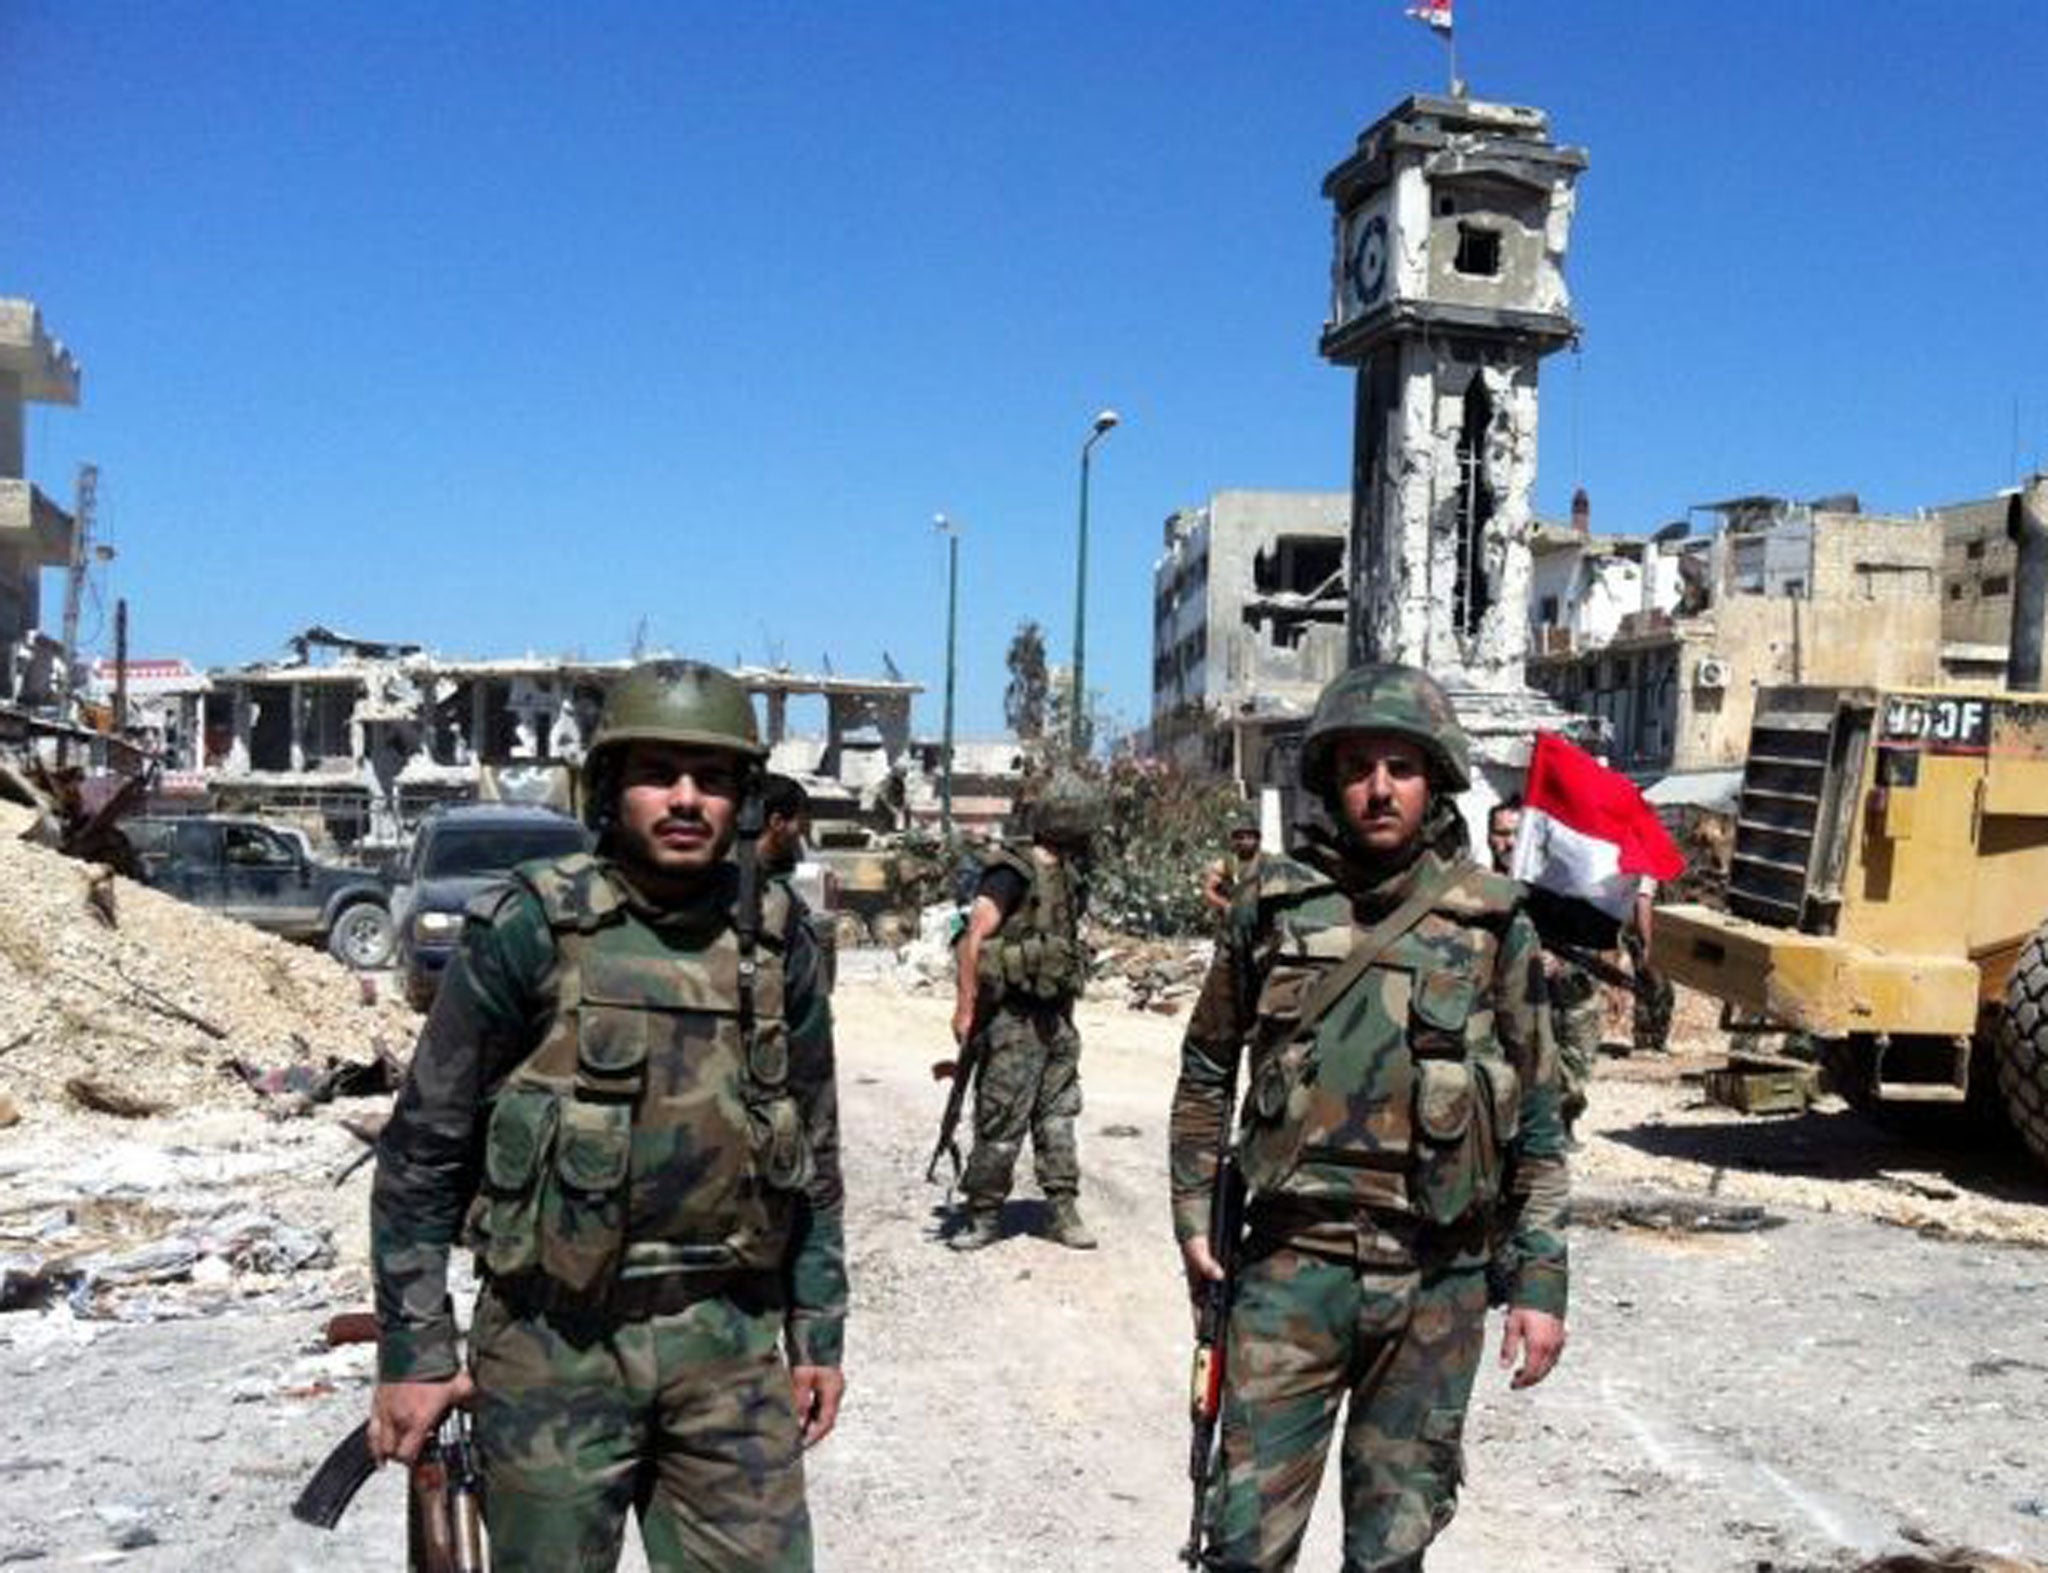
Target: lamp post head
{"type": "Point", "coordinates": [942, 524]}
{"type": "Point", "coordinates": [1105, 420]}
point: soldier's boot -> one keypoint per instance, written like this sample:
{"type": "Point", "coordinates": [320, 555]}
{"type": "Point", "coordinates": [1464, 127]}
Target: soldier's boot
{"type": "Point", "coordinates": [984, 1227]}
{"type": "Point", "coordinates": [1066, 1227]}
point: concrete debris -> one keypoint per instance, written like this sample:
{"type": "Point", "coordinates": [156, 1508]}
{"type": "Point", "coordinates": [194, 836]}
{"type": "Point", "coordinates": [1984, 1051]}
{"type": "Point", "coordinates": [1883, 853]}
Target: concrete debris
{"type": "Point", "coordinates": [925, 964]}
{"type": "Point", "coordinates": [143, 1018]}
{"type": "Point", "coordinates": [104, 1099]}
{"type": "Point", "coordinates": [1669, 1213]}
{"type": "Point", "coordinates": [207, 1254]}
{"type": "Point", "coordinates": [1162, 976]}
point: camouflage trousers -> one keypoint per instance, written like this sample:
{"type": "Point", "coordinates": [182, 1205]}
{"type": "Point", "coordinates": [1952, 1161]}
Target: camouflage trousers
{"type": "Point", "coordinates": [1306, 1334]}
{"type": "Point", "coordinates": [1575, 1011]}
{"type": "Point", "coordinates": [1655, 999]}
{"type": "Point", "coordinates": [688, 1417]}
{"type": "Point", "coordinates": [1029, 1082]}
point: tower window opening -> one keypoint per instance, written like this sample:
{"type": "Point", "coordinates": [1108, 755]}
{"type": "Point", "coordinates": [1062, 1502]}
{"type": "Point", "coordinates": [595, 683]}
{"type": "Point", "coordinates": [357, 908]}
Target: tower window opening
{"type": "Point", "coordinates": [1478, 251]}
{"type": "Point", "coordinates": [1470, 593]}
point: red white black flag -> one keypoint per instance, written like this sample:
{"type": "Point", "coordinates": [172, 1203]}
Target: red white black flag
{"type": "Point", "coordinates": [1586, 831]}
{"type": "Point", "coordinates": [1435, 14]}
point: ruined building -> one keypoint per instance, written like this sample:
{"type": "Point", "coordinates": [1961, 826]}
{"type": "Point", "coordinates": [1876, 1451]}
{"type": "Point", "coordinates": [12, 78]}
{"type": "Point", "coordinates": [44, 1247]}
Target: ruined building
{"type": "Point", "coordinates": [1247, 617]}
{"type": "Point", "coordinates": [364, 736]}
{"type": "Point", "coordinates": [35, 533]}
{"type": "Point", "coordinates": [1783, 592]}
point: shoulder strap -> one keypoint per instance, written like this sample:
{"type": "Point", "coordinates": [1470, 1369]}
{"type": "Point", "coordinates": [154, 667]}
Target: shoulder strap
{"type": "Point", "coordinates": [1373, 944]}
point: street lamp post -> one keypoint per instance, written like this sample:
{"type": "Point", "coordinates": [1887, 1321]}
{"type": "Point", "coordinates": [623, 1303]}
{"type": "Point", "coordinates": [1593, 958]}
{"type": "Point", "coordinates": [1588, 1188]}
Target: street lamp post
{"type": "Point", "coordinates": [947, 528]}
{"type": "Point", "coordinates": [1077, 693]}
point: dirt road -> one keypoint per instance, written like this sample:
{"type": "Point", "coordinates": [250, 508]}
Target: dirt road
{"type": "Point", "coordinates": [1794, 1397]}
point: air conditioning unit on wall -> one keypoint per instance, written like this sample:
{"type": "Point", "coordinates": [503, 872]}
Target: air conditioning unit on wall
{"type": "Point", "coordinates": [1712, 672]}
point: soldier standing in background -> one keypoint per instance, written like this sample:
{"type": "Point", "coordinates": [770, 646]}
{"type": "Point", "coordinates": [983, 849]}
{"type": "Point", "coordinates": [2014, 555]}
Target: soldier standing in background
{"type": "Point", "coordinates": [624, 1102]}
{"type": "Point", "coordinates": [1654, 996]}
{"type": "Point", "coordinates": [1575, 1004]}
{"type": "Point", "coordinates": [785, 823]}
{"type": "Point", "coordinates": [1240, 870]}
{"type": "Point", "coordinates": [1020, 968]}
{"type": "Point", "coordinates": [1401, 1118]}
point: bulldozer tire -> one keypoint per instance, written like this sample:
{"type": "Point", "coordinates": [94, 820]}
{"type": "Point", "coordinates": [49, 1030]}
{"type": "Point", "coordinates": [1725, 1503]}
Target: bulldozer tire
{"type": "Point", "coordinates": [2022, 1046]}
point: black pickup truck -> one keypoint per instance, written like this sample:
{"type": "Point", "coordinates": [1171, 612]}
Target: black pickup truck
{"type": "Point", "coordinates": [265, 875]}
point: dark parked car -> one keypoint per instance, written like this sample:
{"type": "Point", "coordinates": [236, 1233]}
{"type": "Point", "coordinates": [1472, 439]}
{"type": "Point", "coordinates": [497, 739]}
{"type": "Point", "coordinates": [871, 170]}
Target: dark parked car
{"type": "Point", "coordinates": [265, 874]}
{"type": "Point", "coordinates": [456, 854]}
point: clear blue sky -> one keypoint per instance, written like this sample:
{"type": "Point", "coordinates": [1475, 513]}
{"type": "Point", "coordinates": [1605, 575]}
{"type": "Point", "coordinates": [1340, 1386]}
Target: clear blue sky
{"type": "Point", "coordinates": [505, 326]}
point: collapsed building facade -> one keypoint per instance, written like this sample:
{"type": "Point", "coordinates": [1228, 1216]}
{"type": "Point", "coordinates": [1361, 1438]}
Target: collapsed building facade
{"type": "Point", "coordinates": [35, 532]}
{"type": "Point", "coordinates": [1247, 618]}
{"type": "Point", "coordinates": [365, 736]}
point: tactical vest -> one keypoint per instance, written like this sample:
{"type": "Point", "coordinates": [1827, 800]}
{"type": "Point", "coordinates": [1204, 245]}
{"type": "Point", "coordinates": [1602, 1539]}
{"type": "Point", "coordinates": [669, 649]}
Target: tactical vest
{"type": "Point", "coordinates": [1036, 954]}
{"type": "Point", "coordinates": [653, 1128]}
{"type": "Point", "coordinates": [1399, 1099]}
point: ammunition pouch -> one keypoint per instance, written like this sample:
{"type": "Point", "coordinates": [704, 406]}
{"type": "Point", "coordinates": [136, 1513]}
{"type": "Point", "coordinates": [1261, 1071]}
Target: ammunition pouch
{"type": "Point", "coordinates": [1467, 1107]}
{"type": "Point", "coordinates": [775, 1126]}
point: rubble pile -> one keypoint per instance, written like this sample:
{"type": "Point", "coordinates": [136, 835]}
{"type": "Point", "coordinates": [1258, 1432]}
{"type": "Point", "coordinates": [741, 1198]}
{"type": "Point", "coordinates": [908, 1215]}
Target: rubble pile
{"type": "Point", "coordinates": [1159, 975]}
{"type": "Point", "coordinates": [119, 999]}
{"type": "Point", "coordinates": [924, 964]}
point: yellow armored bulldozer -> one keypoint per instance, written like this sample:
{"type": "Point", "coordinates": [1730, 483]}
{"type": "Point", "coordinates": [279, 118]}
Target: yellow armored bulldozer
{"type": "Point", "coordinates": [1888, 889]}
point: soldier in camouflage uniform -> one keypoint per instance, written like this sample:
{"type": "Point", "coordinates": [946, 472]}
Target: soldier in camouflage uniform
{"type": "Point", "coordinates": [1020, 967]}
{"type": "Point", "coordinates": [1400, 1135]}
{"type": "Point", "coordinates": [1239, 871]}
{"type": "Point", "coordinates": [1575, 1004]}
{"type": "Point", "coordinates": [1655, 998]}
{"type": "Point", "coordinates": [624, 1103]}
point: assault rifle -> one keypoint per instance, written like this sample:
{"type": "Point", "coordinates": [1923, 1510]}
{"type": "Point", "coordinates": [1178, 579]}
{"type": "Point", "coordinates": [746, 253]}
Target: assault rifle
{"type": "Point", "coordinates": [443, 1510]}
{"type": "Point", "coordinates": [961, 1072]}
{"type": "Point", "coordinates": [1212, 1322]}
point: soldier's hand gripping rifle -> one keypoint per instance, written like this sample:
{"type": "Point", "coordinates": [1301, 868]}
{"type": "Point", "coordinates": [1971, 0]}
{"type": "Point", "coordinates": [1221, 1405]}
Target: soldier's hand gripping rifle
{"type": "Point", "coordinates": [960, 1070]}
{"type": "Point", "coordinates": [444, 1490]}
{"type": "Point", "coordinates": [1212, 1322]}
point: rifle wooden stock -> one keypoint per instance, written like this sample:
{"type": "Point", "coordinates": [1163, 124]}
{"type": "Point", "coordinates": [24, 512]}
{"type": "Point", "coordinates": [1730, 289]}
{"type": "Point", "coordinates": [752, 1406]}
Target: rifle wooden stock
{"type": "Point", "coordinates": [1205, 1386]}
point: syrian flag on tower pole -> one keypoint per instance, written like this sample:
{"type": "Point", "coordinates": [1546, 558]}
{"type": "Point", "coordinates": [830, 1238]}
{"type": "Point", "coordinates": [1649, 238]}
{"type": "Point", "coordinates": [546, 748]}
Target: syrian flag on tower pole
{"type": "Point", "coordinates": [1587, 835]}
{"type": "Point", "coordinates": [1435, 14]}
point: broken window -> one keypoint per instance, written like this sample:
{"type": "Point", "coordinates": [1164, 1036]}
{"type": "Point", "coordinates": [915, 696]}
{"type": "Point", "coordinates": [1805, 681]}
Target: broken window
{"type": "Point", "coordinates": [1974, 549]}
{"type": "Point", "coordinates": [1547, 616]}
{"type": "Point", "coordinates": [1997, 584]}
{"type": "Point", "coordinates": [1297, 564]}
{"type": "Point", "coordinates": [1478, 251]}
{"type": "Point", "coordinates": [1470, 593]}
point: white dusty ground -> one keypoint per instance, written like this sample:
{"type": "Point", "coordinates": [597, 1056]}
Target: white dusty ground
{"type": "Point", "coordinates": [1796, 1398]}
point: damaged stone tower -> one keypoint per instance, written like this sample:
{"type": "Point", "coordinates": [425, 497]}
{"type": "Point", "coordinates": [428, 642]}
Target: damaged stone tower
{"type": "Point", "coordinates": [1448, 289]}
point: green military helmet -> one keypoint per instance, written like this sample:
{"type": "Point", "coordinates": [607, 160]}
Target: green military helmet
{"type": "Point", "coordinates": [1402, 700]}
{"type": "Point", "coordinates": [1244, 820]}
{"type": "Point", "coordinates": [668, 701]}
{"type": "Point", "coordinates": [1069, 811]}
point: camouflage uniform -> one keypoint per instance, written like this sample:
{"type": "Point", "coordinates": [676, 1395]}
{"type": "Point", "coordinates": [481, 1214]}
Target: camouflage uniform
{"type": "Point", "coordinates": [1408, 1143]}
{"type": "Point", "coordinates": [1030, 1075]}
{"type": "Point", "coordinates": [1655, 999]}
{"type": "Point", "coordinates": [651, 1184]}
{"type": "Point", "coordinates": [1575, 1019]}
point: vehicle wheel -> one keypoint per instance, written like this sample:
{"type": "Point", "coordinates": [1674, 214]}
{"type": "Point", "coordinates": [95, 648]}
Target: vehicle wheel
{"type": "Point", "coordinates": [362, 936]}
{"type": "Point", "coordinates": [2022, 1051]}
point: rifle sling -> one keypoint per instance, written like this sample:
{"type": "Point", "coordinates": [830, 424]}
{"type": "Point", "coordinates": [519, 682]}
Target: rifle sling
{"type": "Point", "coordinates": [1374, 943]}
